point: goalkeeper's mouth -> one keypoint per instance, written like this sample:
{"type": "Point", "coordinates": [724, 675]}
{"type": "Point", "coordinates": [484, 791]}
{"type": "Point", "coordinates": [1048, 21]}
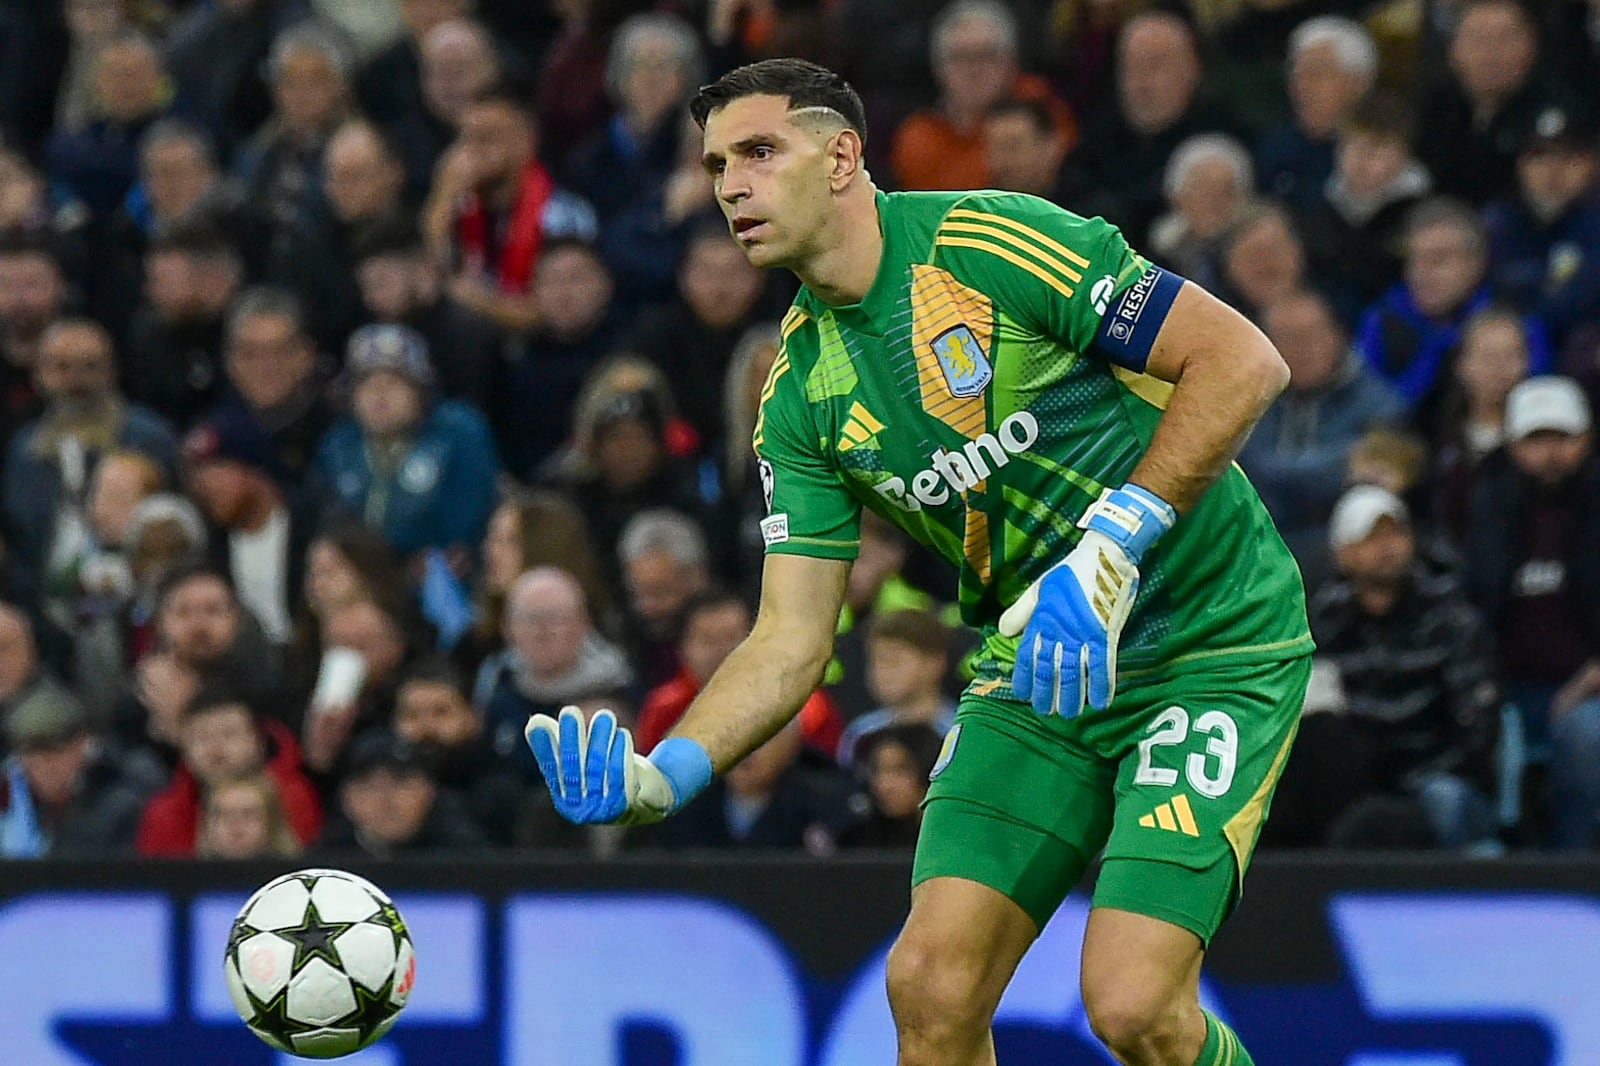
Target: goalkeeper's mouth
{"type": "Point", "coordinates": [744, 227]}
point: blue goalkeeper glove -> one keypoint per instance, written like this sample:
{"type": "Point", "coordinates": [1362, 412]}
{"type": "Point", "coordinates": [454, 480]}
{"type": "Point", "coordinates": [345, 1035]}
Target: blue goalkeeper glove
{"type": "Point", "coordinates": [1071, 618]}
{"type": "Point", "coordinates": [594, 774]}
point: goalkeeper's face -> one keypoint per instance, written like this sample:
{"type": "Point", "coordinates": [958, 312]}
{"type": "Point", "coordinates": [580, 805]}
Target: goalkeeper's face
{"type": "Point", "coordinates": [774, 172]}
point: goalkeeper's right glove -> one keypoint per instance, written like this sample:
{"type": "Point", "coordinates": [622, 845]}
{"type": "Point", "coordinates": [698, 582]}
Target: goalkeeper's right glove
{"type": "Point", "coordinates": [594, 774]}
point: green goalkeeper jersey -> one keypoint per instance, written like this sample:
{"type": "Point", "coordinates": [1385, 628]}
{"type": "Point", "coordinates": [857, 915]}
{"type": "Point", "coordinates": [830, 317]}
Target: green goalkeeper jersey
{"type": "Point", "coordinates": [980, 396]}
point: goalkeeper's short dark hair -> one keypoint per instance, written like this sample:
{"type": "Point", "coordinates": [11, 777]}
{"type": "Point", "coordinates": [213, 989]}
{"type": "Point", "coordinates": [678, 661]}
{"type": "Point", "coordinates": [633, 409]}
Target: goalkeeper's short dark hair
{"type": "Point", "coordinates": [803, 83]}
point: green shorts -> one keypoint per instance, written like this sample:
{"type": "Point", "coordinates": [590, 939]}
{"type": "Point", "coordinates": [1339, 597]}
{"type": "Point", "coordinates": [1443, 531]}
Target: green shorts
{"type": "Point", "coordinates": [1172, 784]}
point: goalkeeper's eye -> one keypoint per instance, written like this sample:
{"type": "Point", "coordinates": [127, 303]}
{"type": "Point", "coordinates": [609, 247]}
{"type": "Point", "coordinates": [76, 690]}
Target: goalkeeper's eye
{"type": "Point", "coordinates": [762, 152]}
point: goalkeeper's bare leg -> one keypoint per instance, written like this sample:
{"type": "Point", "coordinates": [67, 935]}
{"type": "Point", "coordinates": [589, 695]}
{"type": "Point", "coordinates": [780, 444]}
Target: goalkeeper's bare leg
{"type": "Point", "coordinates": [963, 941]}
{"type": "Point", "coordinates": [1140, 978]}
{"type": "Point", "coordinates": [955, 956]}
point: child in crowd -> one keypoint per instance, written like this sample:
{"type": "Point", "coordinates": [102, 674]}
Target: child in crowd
{"type": "Point", "coordinates": [908, 655]}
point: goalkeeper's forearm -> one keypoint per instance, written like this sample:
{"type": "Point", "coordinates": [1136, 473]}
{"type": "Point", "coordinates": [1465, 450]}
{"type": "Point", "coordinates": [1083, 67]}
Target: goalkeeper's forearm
{"type": "Point", "coordinates": [753, 694]}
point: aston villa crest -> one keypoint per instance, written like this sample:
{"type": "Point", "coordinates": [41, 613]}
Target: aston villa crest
{"type": "Point", "coordinates": [966, 368]}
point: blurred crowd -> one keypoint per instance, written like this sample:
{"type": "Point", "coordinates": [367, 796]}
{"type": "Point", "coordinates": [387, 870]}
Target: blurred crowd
{"type": "Point", "coordinates": [375, 373]}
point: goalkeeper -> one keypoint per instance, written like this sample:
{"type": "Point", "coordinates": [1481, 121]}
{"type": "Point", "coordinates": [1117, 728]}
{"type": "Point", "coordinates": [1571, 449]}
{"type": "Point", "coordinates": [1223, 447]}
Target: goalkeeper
{"type": "Point", "coordinates": [1015, 387]}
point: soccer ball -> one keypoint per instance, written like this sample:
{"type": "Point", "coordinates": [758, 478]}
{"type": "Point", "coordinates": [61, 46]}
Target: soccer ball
{"type": "Point", "coordinates": [319, 963]}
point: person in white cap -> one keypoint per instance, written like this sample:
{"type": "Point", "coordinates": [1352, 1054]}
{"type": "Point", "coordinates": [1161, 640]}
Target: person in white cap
{"type": "Point", "coordinates": [1534, 571]}
{"type": "Point", "coordinates": [1417, 725]}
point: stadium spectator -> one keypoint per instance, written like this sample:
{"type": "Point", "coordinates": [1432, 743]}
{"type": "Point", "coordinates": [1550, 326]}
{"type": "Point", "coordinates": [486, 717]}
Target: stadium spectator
{"type": "Point", "coordinates": [221, 736]}
{"type": "Point", "coordinates": [1531, 568]}
{"type": "Point", "coordinates": [389, 85]}
{"type": "Point", "coordinates": [365, 648]}
{"type": "Point", "coordinates": [1494, 358]}
{"type": "Point", "coordinates": [243, 818]}
{"type": "Point", "coordinates": [104, 585]}
{"type": "Point", "coordinates": [1421, 710]}
{"type": "Point", "coordinates": [165, 533]}
{"type": "Point", "coordinates": [974, 52]}
{"type": "Point", "coordinates": [274, 406]}
{"type": "Point", "coordinates": [908, 656]}
{"type": "Point", "coordinates": [400, 282]}
{"type": "Point", "coordinates": [420, 470]}
{"type": "Point", "coordinates": [652, 69]}
{"type": "Point", "coordinates": [91, 25]}
{"type": "Point", "coordinates": [553, 656]}
{"type": "Point", "coordinates": [346, 564]}
{"type": "Point", "coordinates": [531, 529]}
{"type": "Point", "coordinates": [26, 203]}
{"type": "Point", "coordinates": [1396, 458]}
{"type": "Point", "coordinates": [1333, 63]}
{"type": "Point", "coordinates": [782, 795]}
{"type": "Point", "coordinates": [665, 561]}
{"type": "Point", "coordinates": [22, 673]}
{"type": "Point", "coordinates": [1123, 155]}
{"type": "Point", "coordinates": [714, 622]}
{"type": "Point", "coordinates": [1544, 241]}
{"type": "Point", "coordinates": [895, 763]}
{"type": "Point", "coordinates": [178, 184]}
{"type": "Point", "coordinates": [202, 638]}
{"type": "Point", "coordinates": [262, 539]}
{"type": "Point", "coordinates": [1024, 151]}
{"type": "Point", "coordinates": [1296, 456]}
{"type": "Point", "coordinates": [311, 68]}
{"type": "Point", "coordinates": [1261, 259]}
{"type": "Point", "coordinates": [630, 468]}
{"type": "Point", "coordinates": [434, 715]}
{"type": "Point", "coordinates": [1355, 224]}
{"type": "Point", "coordinates": [1410, 335]}
{"type": "Point", "coordinates": [493, 208]}
{"type": "Point", "coordinates": [572, 97]}
{"type": "Point", "coordinates": [218, 56]}
{"type": "Point", "coordinates": [33, 294]}
{"type": "Point", "coordinates": [877, 585]}
{"type": "Point", "coordinates": [178, 177]}
{"type": "Point", "coordinates": [98, 164]}
{"type": "Point", "coordinates": [389, 807]}
{"type": "Point", "coordinates": [65, 791]}
{"type": "Point", "coordinates": [574, 327]}
{"type": "Point", "coordinates": [360, 180]}
{"type": "Point", "coordinates": [460, 61]}
{"type": "Point", "coordinates": [173, 361]}
{"type": "Point", "coordinates": [50, 461]}
{"type": "Point", "coordinates": [1208, 182]}
{"type": "Point", "coordinates": [1494, 90]}
{"type": "Point", "coordinates": [692, 338]}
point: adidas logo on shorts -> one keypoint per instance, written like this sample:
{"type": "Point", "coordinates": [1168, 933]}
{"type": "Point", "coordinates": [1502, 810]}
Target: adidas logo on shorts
{"type": "Point", "coordinates": [1174, 816]}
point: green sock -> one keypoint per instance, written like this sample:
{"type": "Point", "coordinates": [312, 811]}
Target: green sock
{"type": "Point", "coordinates": [1222, 1047]}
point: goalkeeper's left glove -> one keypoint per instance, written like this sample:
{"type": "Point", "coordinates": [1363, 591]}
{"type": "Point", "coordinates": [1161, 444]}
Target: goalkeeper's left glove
{"type": "Point", "coordinates": [1071, 618]}
{"type": "Point", "coordinates": [595, 776]}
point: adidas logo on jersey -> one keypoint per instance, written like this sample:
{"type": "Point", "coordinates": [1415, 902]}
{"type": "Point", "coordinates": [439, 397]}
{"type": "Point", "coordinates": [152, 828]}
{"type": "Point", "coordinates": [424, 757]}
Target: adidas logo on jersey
{"type": "Point", "coordinates": [961, 470]}
{"type": "Point", "coordinates": [859, 429]}
{"type": "Point", "coordinates": [1174, 816]}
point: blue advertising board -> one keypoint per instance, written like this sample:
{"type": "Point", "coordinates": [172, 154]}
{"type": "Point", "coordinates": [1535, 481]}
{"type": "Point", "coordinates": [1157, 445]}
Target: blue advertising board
{"type": "Point", "coordinates": [778, 963]}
